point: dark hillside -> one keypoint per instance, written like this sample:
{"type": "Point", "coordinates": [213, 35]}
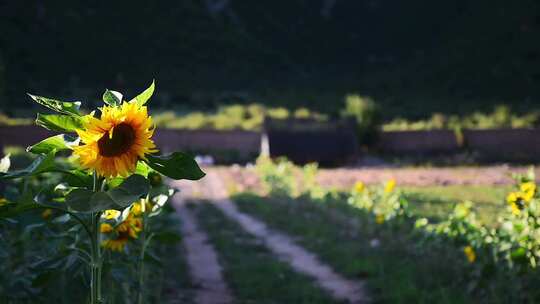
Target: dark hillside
{"type": "Point", "coordinates": [415, 56]}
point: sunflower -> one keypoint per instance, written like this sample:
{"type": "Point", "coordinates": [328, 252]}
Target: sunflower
{"type": "Point", "coordinates": [111, 214]}
{"type": "Point", "coordinates": [359, 187]}
{"type": "Point", "coordinates": [121, 234]}
{"type": "Point", "coordinates": [106, 228]}
{"type": "Point", "coordinates": [390, 186]}
{"type": "Point", "coordinates": [116, 244]}
{"type": "Point", "coordinates": [517, 201]}
{"type": "Point", "coordinates": [470, 254]}
{"type": "Point", "coordinates": [113, 143]}
{"type": "Point", "coordinates": [528, 189]}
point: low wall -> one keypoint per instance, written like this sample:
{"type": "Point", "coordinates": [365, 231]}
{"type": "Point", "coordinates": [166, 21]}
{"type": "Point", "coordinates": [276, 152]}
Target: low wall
{"type": "Point", "coordinates": [504, 144]}
{"type": "Point", "coordinates": [303, 141]}
{"type": "Point", "coordinates": [22, 136]}
{"type": "Point", "coordinates": [499, 145]}
{"type": "Point", "coordinates": [334, 145]}
{"type": "Point", "coordinates": [225, 145]}
{"type": "Point", "coordinates": [245, 143]}
{"type": "Point", "coordinates": [417, 142]}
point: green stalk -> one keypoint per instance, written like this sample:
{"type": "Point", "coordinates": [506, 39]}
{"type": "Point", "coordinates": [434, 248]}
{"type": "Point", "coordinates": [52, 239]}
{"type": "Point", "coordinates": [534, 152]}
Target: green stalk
{"type": "Point", "coordinates": [141, 266]}
{"type": "Point", "coordinates": [96, 262]}
{"type": "Point", "coordinates": [145, 242]}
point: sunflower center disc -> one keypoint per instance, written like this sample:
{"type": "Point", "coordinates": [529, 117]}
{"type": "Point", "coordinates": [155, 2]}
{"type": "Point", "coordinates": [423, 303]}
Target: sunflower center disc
{"type": "Point", "coordinates": [122, 139]}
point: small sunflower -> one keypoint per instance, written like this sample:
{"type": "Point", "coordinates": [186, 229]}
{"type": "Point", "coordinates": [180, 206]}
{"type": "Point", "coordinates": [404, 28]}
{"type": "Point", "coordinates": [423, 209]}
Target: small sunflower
{"type": "Point", "coordinates": [111, 214]}
{"type": "Point", "coordinates": [528, 189]}
{"type": "Point", "coordinates": [116, 244]}
{"type": "Point", "coordinates": [517, 201]}
{"type": "Point", "coordinates": [115, 142]}
{"type": "Point", "coordinates": [390, 186]}
{"type": "Point", "coordinates": [359, 187]}
{"type": "Point", "coordinates": [121, 234]}
{"type": "Point", "coordinates": [470, 254]}
{"type": "Point", "coordinates": [106, 228]}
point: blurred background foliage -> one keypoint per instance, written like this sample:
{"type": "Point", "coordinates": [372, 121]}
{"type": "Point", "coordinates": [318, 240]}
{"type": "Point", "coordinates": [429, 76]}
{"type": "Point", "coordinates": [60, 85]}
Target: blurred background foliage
{"type": "Point", "coordinates": [414, 57]}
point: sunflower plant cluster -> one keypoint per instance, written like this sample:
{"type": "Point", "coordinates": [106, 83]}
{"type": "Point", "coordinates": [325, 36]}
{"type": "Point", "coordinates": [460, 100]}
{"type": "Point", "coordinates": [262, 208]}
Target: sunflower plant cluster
{"type": "Point", "coordinates": [487, 258]}
{"type": "Point", "coordinates": [384, 202]}
{"type": "Point", "coordinates": [518, 236]}
{"type": "Point", "coordinates": [282, 177]}
{"type": "Point", "coordinates": [277, 177]}
{"type": "Point", "coordinates": [101, 177]}
{"type": "Point", "coordinates": [508, 251]}
{"type": "Point", "coordinates": [515, 241]}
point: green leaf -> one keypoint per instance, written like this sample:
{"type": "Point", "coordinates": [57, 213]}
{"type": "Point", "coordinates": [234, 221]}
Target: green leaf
{"type": "Point", "coordinates": [87, 201]}
{"type": "Point", "coordinates": [78, 178]}
{"type": "Point", "coordinates": [13, 209]}
{"type": "Point", "coordinates": [143, 97]}
{"type": "Point", "coordinates": [59, 123]}
{"type": "Point", "coordinates": [43, 163]}
{"type": "Point", "coordinates": [112, 98]}
{"type": "Point", "coordinates": [64, 107]}
{"type": "Point", "coordinates": [518, 254]}
{"type": "Point", "coordinates": [177, 166]}
{"type": "Point", "coordinates": [58, 143]}
{"type": "Point", "coordinates": [142, 169]}
{"type": "Point", "coordinates": [131, 190]}
{"type": "Point", "coordinates": [46, 198]}
{"type": "Point", "coordinates": [168, 237]}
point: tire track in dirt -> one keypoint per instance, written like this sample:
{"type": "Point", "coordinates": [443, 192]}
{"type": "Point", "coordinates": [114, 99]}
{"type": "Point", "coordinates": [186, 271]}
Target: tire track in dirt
{"type": "Point", "coordinates": [204, 268]}
{"type": "Point", "coordinates": [284, 248]}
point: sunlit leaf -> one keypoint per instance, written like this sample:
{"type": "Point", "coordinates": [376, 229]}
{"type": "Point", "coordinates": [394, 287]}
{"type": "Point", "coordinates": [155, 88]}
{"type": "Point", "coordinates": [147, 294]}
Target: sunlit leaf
{"type": "Point", "coordinates": [143, 97]}
{"type": "Point", "coordinates": [58, 143]}
{"type": "Point", "coordinates": [112, 98]}
{"type": "Point", "coordinates": [64, 107]}
{"type": "Point", "coordinates": [59, 123]}
{"type": "Point", "coordinates": [5, 163]}
{"type": "Point", "coordinates": [43, 163]}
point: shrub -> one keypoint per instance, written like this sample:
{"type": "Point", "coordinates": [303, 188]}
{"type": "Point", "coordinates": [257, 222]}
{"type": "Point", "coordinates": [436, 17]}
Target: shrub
{"type": "Point", "coordinates": [367, 115]}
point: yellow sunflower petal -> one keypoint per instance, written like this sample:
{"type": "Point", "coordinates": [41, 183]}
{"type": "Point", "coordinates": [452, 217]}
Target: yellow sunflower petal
{"type": "Point", "coordinates": [115, 142]}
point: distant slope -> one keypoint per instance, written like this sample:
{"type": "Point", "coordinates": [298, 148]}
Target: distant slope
{"type": "Point", "coordinates": [414, 56]}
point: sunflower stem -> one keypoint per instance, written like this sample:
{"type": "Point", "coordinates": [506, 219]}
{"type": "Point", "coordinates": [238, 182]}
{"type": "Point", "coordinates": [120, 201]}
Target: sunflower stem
{"type": "Point", "coordinates": [96, 262]}
{"type": "Point", "coordinates": [140, 297]}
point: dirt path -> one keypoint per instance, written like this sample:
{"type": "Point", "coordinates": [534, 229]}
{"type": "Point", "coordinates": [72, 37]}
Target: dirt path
{"type": "Point", "coordinates": [343, 178]}
{"type": "Point", "coordinates": [283, 247]}
{"type": "Point", "coordinates": [202, 260]}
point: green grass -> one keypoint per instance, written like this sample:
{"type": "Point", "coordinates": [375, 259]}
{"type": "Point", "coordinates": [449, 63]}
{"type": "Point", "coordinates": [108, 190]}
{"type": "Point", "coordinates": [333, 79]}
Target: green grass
{"type": "Point", "coordinates": [176, 283]}
{"type": "Point", "coordinates": [435, 202]}
{"type": "Point", "coordinates": [251, 271]}
{"type": "Point", "coordinates": [399, 270]}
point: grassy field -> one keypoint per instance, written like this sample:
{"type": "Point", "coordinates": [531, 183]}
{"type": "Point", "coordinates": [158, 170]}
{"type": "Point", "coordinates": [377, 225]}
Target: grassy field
{"type": "Point", "coordinates": [391, 280]}
{"type": "Point", "coordinates": [396, 268]}
{"type": "Point", "coordinates": [252, 272]}
{"type": "Point", "coordinates": [435, 202]}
